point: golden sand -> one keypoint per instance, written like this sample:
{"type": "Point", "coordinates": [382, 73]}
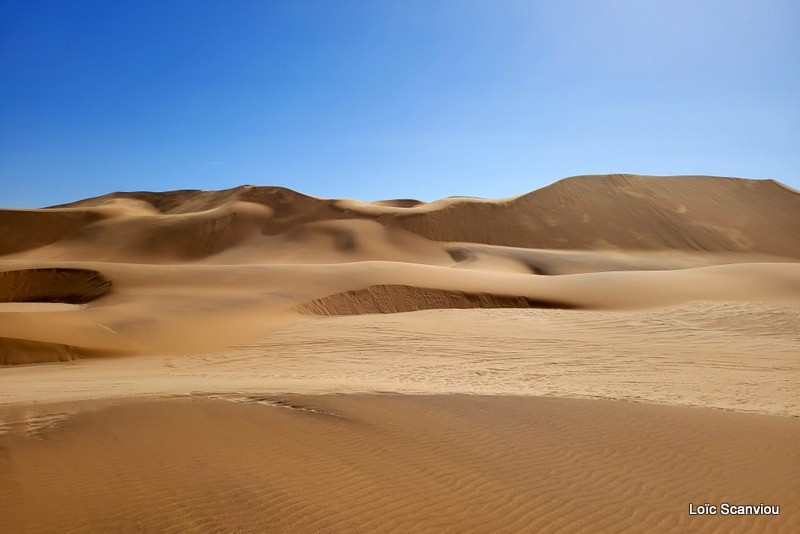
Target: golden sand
{"type": "Point", "coordinates": [257, 359]}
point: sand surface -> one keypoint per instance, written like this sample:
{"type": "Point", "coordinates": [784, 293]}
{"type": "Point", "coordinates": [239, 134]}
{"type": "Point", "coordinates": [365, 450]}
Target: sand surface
{"type": "Point", "coordinates": [465, 362]}
{"type": "Point", "coordinates": [739, 356]}
{"type": "Point", "coordinates": [393, 463]}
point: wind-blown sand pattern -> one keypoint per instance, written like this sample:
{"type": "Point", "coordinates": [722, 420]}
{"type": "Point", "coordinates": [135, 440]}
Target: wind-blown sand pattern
{"type": "Point", "coordinates": [737, 356]}
{"type": "Point", "coordinates": [440, 326]}
{"type": "Point", "coordinates": [397, 463]}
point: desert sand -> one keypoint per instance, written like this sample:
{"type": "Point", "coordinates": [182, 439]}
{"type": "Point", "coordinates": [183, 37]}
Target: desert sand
{"type": "Point", "coordinates": [596, 355]}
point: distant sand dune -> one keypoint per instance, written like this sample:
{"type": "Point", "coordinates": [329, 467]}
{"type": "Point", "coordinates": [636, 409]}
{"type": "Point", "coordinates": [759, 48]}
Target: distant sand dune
{"type": "Point", "coordinates": [131, 235]}
{"type": "Point", "coordinates": [628, 212]}
{"type": "Point", "coordinates": [335, 241]}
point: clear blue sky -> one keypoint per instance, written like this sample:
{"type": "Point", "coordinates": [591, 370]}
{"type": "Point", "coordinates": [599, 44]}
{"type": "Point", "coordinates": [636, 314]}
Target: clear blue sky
{"type": "Point", "coordinates": [374, 99]}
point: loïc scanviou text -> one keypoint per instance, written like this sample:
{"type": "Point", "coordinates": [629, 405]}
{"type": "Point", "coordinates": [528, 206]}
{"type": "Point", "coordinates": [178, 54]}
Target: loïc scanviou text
{"type": "Point", "coordinates": [734, 509]}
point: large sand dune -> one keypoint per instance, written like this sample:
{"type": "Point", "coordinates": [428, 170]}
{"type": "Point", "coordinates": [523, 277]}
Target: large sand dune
{"type": "Point", "coordinates": [676, 290]}
{"type": "Point", "coordinates": [229, 257]}
{"type": "Point", "coordinates": [696, 213]}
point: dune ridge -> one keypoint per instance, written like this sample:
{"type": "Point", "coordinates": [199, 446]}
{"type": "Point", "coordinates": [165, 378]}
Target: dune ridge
{"type": "Point", "coordinates": [631, 213]}
{"type": "Point", "coordinates": [598, 212]}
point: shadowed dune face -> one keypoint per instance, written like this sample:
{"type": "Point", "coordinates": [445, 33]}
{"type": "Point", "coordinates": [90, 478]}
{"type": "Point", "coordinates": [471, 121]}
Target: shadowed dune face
{"type": "Point", "coordinates": [52, 285]}
{"type": "Point", "coordinates": [400, 298]}
{"type": "Point", "coordinates": [289, 208]}
{"type": "Point", "coordinates": [71, 286]}
{"type": "Point", "coordinates": [339, 241]}
{"type": "Point", "coordinates": [138, 236]}
{"type": "Point", "coordinates": [22, 230]}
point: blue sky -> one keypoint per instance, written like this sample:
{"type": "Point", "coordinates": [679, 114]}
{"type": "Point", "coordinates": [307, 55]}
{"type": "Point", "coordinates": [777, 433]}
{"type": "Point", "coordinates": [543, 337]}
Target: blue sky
{"type": "Point", "coordinates": [373, 100]}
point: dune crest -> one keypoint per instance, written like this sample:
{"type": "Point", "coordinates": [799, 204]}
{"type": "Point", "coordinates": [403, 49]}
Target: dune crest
{"type": "Point", "coordinates": [598, 212]}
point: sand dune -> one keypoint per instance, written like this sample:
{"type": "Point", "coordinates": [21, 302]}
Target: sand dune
{"type": "Point", "coordinates": [692, 213]}
{"type": "Point", "coordinates": [161, 308]}
{"type": "Point", "coordinates": [133, 236]}
{"type": "Point", "coordinates": [235, 260]}
{"type": "Point", "coordinates": [631, 213]}
{"type": "Point", "coordinates": [335, 241]}
{"type": "Point", "coordinates": [220, 307]}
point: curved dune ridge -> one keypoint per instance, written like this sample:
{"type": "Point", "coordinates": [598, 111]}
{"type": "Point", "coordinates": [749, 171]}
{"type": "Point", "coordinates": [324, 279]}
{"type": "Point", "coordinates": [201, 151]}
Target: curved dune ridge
{"type": "Point", "coordinates": [130, 234]}
{"type": "Point", "coordinates": [402, 298]}
{"type": "Point", "coordinates": [63, 286]}
{"type": "Point", "coordinates": [67, 285]}
{"type": "Point", "coordinates": [336, 241]}
{"type": "Point", "coordinates": [609, 212]}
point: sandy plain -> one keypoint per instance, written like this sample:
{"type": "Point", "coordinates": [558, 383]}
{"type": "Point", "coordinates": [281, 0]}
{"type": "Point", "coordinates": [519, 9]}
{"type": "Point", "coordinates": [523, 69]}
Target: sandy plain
{"type": "Point", "coordinates": [593, 356]}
